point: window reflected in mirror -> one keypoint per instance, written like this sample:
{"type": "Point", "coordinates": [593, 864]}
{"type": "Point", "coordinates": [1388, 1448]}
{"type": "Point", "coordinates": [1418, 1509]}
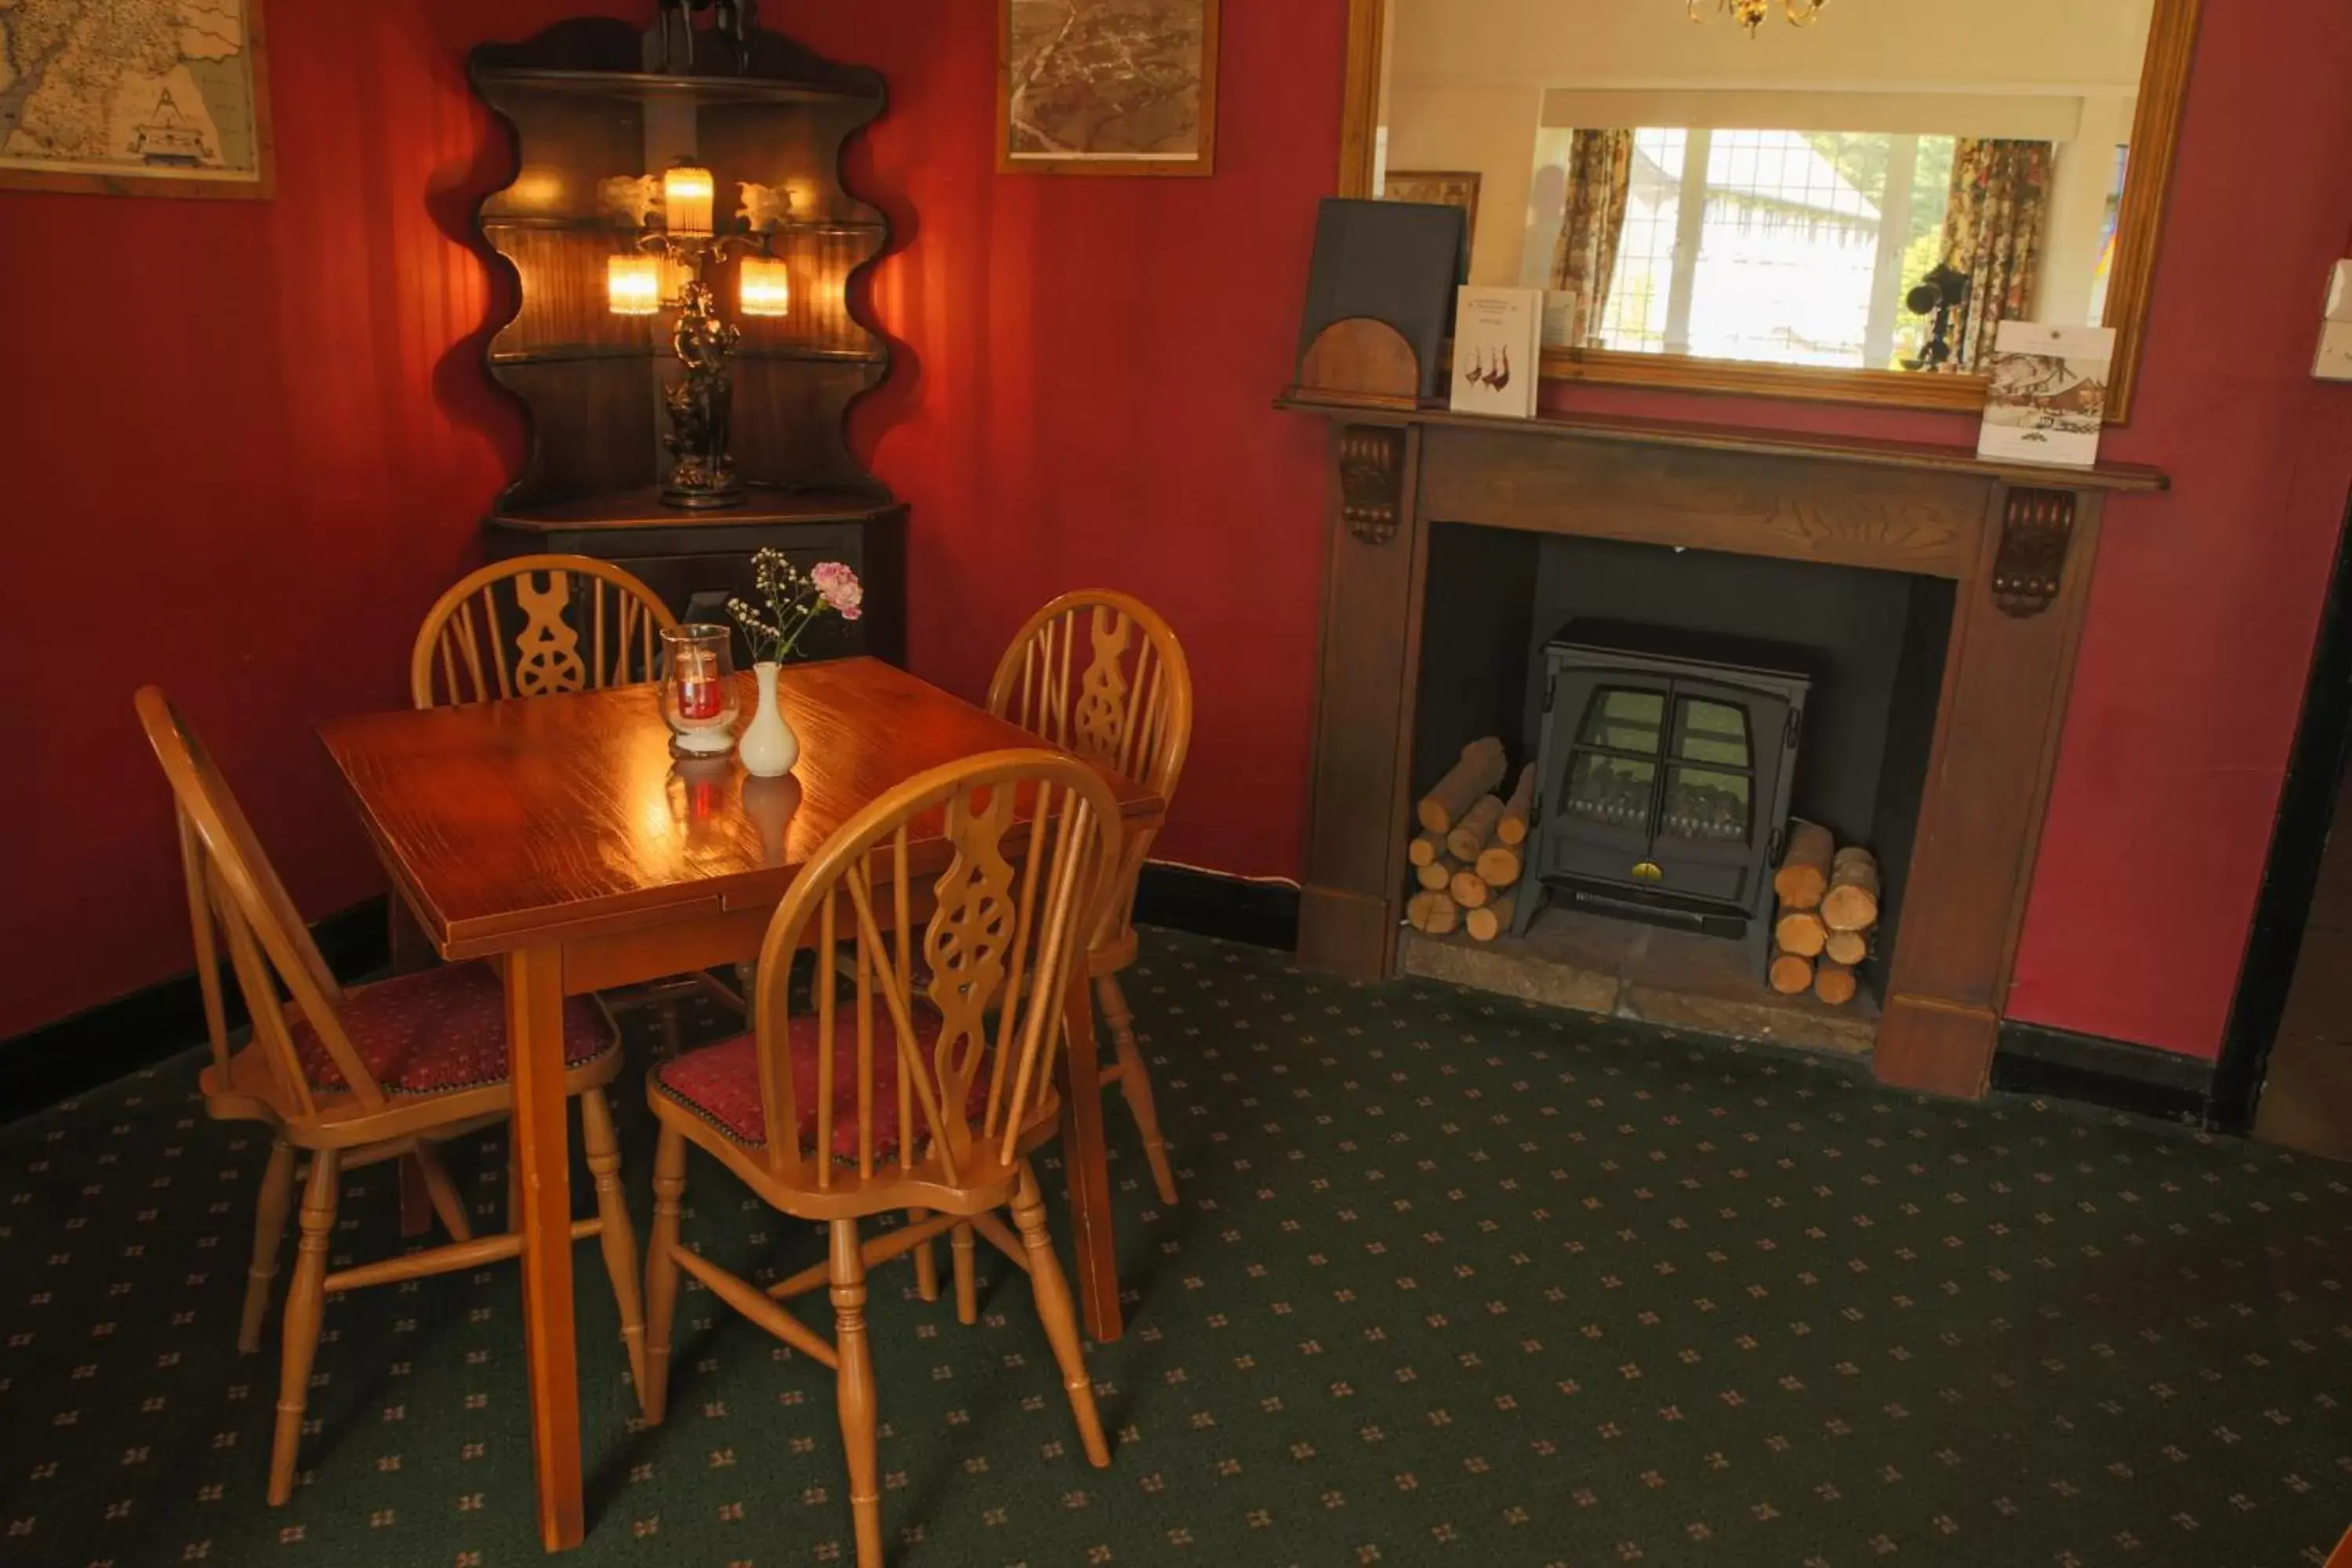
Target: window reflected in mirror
{"type": "Point", "coordinates": [1876, 191]}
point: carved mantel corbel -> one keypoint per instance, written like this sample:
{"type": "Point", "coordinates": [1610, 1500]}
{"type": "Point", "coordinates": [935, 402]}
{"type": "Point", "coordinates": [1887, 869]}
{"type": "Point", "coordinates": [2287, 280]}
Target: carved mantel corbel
{"type": "Point", "coordinates": [1371, 481]}
{"type": "Point", "coordinates": [2036, 528]}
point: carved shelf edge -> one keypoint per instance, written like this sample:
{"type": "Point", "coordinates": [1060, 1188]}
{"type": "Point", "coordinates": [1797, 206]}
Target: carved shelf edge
{"type": "Point", "coordinates": [1371, 481]}
{"type": "Point", "coordinates": [1917, 456]}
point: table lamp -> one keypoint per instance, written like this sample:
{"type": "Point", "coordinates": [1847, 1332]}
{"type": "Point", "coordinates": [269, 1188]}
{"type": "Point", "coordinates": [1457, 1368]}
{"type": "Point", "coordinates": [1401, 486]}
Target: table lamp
{"type": "Point", "coordinates": [667, 275]}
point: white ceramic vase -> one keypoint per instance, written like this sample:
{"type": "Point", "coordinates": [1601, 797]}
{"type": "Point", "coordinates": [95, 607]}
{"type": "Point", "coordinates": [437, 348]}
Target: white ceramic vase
{"type": "Point", "coordinates": [769, 748]}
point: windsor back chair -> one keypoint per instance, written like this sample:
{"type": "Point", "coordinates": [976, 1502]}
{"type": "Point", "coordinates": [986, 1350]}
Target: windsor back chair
{"type": "Point", "coordinates": [463, 654]}
{"type": "Point", "coordinates": [355, 1075]}
{"type": "Point", "coordinates": [553, 604]}
{"type": "Point", "coordinates": [923, 1089]}
{"type": "Point", "coordinates": [1101, 674]}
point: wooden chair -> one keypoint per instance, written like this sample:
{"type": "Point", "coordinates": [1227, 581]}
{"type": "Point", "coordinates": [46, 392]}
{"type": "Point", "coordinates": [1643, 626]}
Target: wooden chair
{"type": "Point", "coordinates": [463, 654]}
{"type": "Point", "coordinates": [924, 1088]}
{"type": "Point", "coordinates": [1098, 673]}
{"type": "Point", "coordinates": [355, 1076]}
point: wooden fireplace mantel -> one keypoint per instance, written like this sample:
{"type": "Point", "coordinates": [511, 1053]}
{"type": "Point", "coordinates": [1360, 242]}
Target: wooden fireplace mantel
{"type": "Point", "coordinates": [2018, 542]}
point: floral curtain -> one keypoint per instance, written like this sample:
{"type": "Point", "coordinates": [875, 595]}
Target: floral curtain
{"type": "Point", "coordinates": [1992, 234]}
{"type": "Point", "coordinates": [1584, 261]}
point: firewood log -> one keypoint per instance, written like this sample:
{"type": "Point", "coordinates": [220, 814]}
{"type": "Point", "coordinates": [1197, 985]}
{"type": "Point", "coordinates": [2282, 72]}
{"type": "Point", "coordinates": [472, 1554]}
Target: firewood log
{"type": "Point", "coordinates": [1424, 848]}
{"type": "Point", "coordinates": [1791, 974]}
{"type": "Point", "coordinates": [1847, 947]}
{"type": "Point", "coordinates": [1499, 865]}
{"type": "Point", "coordinates": [1438, 874]}
{"type": "Point", "coordinates": [1801, 931]}
{"type": "Point", "coordinates": [1491, 921]}
{"type": "Point", "coordinates": [1479, 771]}
{"type": "Point", "coordinates": [1435, 913]}
{"type": "Point", "coordinates": [1469, 835]}
{"type": "Point", "coordinates": [1833, 982]}
{"type": "Point", "coordinates": [1469, 889]}
{"type": "Point", "coordinates": [1804, 873]}
{"type": "Point", "coordinates": [1513, 828]}
{"type": "Point", "coordinates": [1850, 903]}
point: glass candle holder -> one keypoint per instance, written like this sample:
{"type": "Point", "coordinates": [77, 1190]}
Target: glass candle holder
{"type": "Point", "coordinates": [698, 690]}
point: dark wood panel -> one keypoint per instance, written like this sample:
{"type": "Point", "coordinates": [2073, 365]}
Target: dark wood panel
{"type": "Point", "coordinates": [1896, 520]}
{"type": "Point", "coordinates": [605, 413]}
{"type": "Point", "coordinates": [1370, 631]}
{"type": "Point", "coordinates": [566, 305]}
{"type": "Point", "coordinates": [788, 426]}
{"type": "Point", "coordinates": [680, 553]}
{"type": "Point", "coordinates": [1862, 451]}
{"type": "Point", "coordinates": [2004, 702]}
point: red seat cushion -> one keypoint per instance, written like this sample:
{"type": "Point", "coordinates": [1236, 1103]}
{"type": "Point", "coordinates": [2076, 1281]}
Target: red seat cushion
{"type": "Point", "coordinates": [440, 1029]}
{"type": "Point", "coordinates": [720, 1083]}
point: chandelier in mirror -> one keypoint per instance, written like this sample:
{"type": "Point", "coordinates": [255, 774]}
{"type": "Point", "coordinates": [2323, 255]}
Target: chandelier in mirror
{"type": "Point", "coordinates": [1751, 14]}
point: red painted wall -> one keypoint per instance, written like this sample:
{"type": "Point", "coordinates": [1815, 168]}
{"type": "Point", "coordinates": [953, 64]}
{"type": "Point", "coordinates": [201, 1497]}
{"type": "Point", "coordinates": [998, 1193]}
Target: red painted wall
{"type": "Point", "coordinates": [1083, 397]}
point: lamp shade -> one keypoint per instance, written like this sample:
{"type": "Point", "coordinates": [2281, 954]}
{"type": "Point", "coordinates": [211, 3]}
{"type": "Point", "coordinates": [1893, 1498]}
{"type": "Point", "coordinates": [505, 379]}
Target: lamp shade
{"type": "Point", "coordinates": [633, 285]}
{"type": "Point", "coordinates": [687, 191]}
{"type": "Point", "coordinates": [764, 286]}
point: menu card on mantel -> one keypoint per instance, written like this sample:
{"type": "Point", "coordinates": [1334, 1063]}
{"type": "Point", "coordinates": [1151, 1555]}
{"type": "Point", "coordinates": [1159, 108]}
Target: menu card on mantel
{"type": "Point", "coordinates": [2048, 400]}
{"type": "Point", "coordinates": [1498, 350]}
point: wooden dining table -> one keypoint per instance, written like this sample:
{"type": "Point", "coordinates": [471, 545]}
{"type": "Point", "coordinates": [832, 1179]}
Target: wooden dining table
{"type": "Point", "coordinates": [556, 837]}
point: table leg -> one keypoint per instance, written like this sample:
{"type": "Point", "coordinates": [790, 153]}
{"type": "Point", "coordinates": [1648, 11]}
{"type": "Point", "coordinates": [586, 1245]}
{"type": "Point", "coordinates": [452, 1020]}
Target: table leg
{"type": "Point", "coordinates": [416, 1203]}
{"type": "Point", "coordinates": [535, 1041]}
{"type": "Point", "coordinates": [405, 944]}
{"type": "Point", "coordinates": [1088, 1164]}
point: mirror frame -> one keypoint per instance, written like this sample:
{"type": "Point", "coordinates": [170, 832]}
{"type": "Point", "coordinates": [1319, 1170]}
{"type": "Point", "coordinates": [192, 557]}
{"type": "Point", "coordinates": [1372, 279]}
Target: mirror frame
{"type": "Point", "coordinates": [2139, 228]}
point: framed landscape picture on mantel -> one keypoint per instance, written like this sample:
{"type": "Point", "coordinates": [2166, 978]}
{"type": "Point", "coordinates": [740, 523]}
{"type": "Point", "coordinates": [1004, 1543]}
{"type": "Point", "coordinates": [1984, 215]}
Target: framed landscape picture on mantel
{"type": "Point", "coordinates": [1106, 87]}
{"type": "Point", "coordinates": [134, 98]}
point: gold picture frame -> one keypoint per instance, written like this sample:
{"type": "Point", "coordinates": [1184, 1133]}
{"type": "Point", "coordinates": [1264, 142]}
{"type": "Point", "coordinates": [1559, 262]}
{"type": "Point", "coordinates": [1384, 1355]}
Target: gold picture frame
{"type": "Point", "coordinates": [1166, 131]}
{"type": "Point", "coordinates": [1441, 187]}
{"type": "Point", "coordinates": [2139, 230]}
{"type": "Point", "coordinates": [109, 177]}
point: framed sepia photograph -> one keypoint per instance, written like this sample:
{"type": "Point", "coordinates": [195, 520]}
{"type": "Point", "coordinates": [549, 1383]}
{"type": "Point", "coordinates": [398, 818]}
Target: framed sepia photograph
{"type": "Point", "coordinates": [1442, 187]}
{"type": "Point", "coordinates": [1106, 87]}
{"type": "Point", "coordinates": [135, 98]}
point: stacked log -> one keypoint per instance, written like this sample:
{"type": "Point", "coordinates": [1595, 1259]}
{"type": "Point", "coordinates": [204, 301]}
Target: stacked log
{"type": "Point", "coordinates": [1471, 846]}
{"type": "Point", "coordinates": [1828, 911]}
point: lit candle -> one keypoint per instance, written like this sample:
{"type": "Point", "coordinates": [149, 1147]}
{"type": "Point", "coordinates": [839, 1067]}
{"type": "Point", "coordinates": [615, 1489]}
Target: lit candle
{"type": "Point", "coordinates": [700, 695]}
{"type": "Point", "coordinates": [633, 285]}
{"type": "Point", "coordinates": [764, 286]}
{"type": "Point", "coordinates": [687, 192]}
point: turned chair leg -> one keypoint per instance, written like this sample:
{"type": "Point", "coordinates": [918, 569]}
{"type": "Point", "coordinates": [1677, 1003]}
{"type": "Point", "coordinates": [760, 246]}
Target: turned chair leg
{"type": "Point", "coordinates": [926, 1262]}
{"type": "Point", "coordinates": [304, 1305]}
{"type": "Point", "coordinates": [1060, 1315]}
{"type": "Point", "coordinates": [661, 1272]}
{"type": "Point", "coordinates": [854, 1382]}
{"type": "Point", "coordinates": [619, 1240]}
{"type": "Point", "coordinates": [1135, 1082]}
{"type": "Point", "coordinates": [967, 1283]}
{"type": "Point", "coordinates": [268, 1232]}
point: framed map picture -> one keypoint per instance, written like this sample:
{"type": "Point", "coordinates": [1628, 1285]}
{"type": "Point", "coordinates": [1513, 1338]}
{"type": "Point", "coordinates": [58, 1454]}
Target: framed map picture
{"type": "Point", "coordinates": [1445, 187]}
{"type": "Point", "coordinates": [134, 98]}
{"type": "Point", "coordinates": [1106, 87]}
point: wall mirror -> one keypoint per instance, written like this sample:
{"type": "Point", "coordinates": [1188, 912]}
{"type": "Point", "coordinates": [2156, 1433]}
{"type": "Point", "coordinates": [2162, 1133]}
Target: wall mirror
{"type": "Point", "coordinates": [1828, 199]}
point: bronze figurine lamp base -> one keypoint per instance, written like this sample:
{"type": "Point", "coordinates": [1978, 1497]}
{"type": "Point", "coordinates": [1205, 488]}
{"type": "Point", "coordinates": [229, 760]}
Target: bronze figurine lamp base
{"type": "Point", "coordinates": [700, 401]}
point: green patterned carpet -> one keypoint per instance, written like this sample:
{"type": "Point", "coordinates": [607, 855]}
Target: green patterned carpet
{"type": "Point", "coordinates": [1454, 1280]}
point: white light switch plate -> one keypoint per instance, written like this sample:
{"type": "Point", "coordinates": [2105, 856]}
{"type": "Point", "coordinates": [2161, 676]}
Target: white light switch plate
{"type": "Point", "coordinates": [2335, 362]}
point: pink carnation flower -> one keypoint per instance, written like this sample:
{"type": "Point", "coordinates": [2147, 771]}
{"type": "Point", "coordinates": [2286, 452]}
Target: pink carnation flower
{"type": "Point", "coordinates": [840, 587]}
